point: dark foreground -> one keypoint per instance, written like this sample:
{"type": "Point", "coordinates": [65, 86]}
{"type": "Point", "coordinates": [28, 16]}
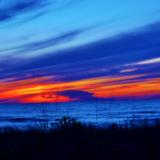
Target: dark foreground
{"type": "Point", "coordinates": [78, 142]}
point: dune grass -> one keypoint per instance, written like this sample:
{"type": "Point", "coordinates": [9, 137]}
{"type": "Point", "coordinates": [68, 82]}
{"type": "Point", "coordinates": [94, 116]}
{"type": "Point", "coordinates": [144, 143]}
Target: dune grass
{"type": "Point", "coordinates": [71, 140]}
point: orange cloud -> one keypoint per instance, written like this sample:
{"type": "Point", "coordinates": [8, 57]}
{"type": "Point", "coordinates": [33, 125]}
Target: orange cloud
{"type": "Point", "coordinates": [45, 89]}
{"type": "Point", "coordinates": [39, 98]}
{"type": "Point", "coordinates": [137, 89]}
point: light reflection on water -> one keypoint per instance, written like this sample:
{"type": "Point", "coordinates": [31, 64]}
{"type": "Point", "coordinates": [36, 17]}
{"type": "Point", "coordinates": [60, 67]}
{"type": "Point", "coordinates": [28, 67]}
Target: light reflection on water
{"type": "Point", "coordinates": [88, 112]}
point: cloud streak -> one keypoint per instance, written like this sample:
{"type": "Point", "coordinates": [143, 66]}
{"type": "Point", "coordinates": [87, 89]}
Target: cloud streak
{"type": "Point", "coordinates": [58, 57]}
{"type": "Point", "coordinates": [45, 89]}
{"type": "Point", "coordinates": [11, 10]}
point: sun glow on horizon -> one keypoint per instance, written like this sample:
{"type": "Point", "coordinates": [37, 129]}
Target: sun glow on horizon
{"type": "Point", "coordinates": [46, 91]}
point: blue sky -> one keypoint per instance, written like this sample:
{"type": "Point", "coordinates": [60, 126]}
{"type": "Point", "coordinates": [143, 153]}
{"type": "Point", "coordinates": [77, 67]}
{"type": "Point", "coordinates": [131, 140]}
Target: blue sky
{"type": "Point", "coordinates": [38, 20]}
{"type": "Point", "coordinates": [88, 38]}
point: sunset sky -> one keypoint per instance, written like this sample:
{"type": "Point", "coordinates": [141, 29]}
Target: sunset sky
{"type": "Point", "coordinates": [79, 50]}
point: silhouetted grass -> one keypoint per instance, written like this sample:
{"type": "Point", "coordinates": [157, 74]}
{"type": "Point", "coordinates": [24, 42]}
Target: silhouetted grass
{"type": "Point", "coordinates": [72, 140]}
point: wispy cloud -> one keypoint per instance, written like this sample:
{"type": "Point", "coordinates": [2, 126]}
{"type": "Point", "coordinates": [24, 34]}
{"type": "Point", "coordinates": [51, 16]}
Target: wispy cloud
{"type": "Point", "coordinates": [106, 54]}
{"type": "Point", "coordinates": [77, 62]}
{"type": "Point", "coordinates": [10, 10]}
{"type": "Point", "coordinates": [45, 89]}
{"type": "Point", "coordinates": [149, 61]}
{"type": "Point", "coordinates": [128, 70]}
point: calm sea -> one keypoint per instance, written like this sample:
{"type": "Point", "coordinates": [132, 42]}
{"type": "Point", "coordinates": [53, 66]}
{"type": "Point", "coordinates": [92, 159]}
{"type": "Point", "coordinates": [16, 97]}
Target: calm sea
{"type": "Point", "coordinates": [21, 115]}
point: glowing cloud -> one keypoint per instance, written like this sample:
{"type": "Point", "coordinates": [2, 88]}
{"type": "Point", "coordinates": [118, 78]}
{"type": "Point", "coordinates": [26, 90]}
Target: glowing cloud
{"type": "Point", "coordinates": [41, 90]}
{"type": "Point", "coordinates": [48, 54]}
{"type": "Point", "coordinates": [149, 61]}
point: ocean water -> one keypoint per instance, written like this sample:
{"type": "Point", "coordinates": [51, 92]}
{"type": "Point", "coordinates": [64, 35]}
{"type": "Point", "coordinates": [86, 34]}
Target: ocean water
{"type": "Point", "coordinates": [22, 115]}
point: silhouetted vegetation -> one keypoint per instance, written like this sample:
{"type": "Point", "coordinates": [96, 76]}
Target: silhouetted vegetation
{"type": "Point", "coordinates": [71, 140]}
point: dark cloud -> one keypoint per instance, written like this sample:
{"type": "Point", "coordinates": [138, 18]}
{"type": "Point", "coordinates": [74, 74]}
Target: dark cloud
{"type": "Point", "coordinates": [135, 46]}
{"type": "Point", "coordinates": [105, 57]}
{"type": "Point", "coordinates": [78, 95]}
{"type": "Point", "coordinates": [4, 16]}
{"type": "Point", "coordinates": [63, 38]}
{"type": "Point", "coordinates": [9, 11]}
{"type": "Point", "coordinates": [50, 42]}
